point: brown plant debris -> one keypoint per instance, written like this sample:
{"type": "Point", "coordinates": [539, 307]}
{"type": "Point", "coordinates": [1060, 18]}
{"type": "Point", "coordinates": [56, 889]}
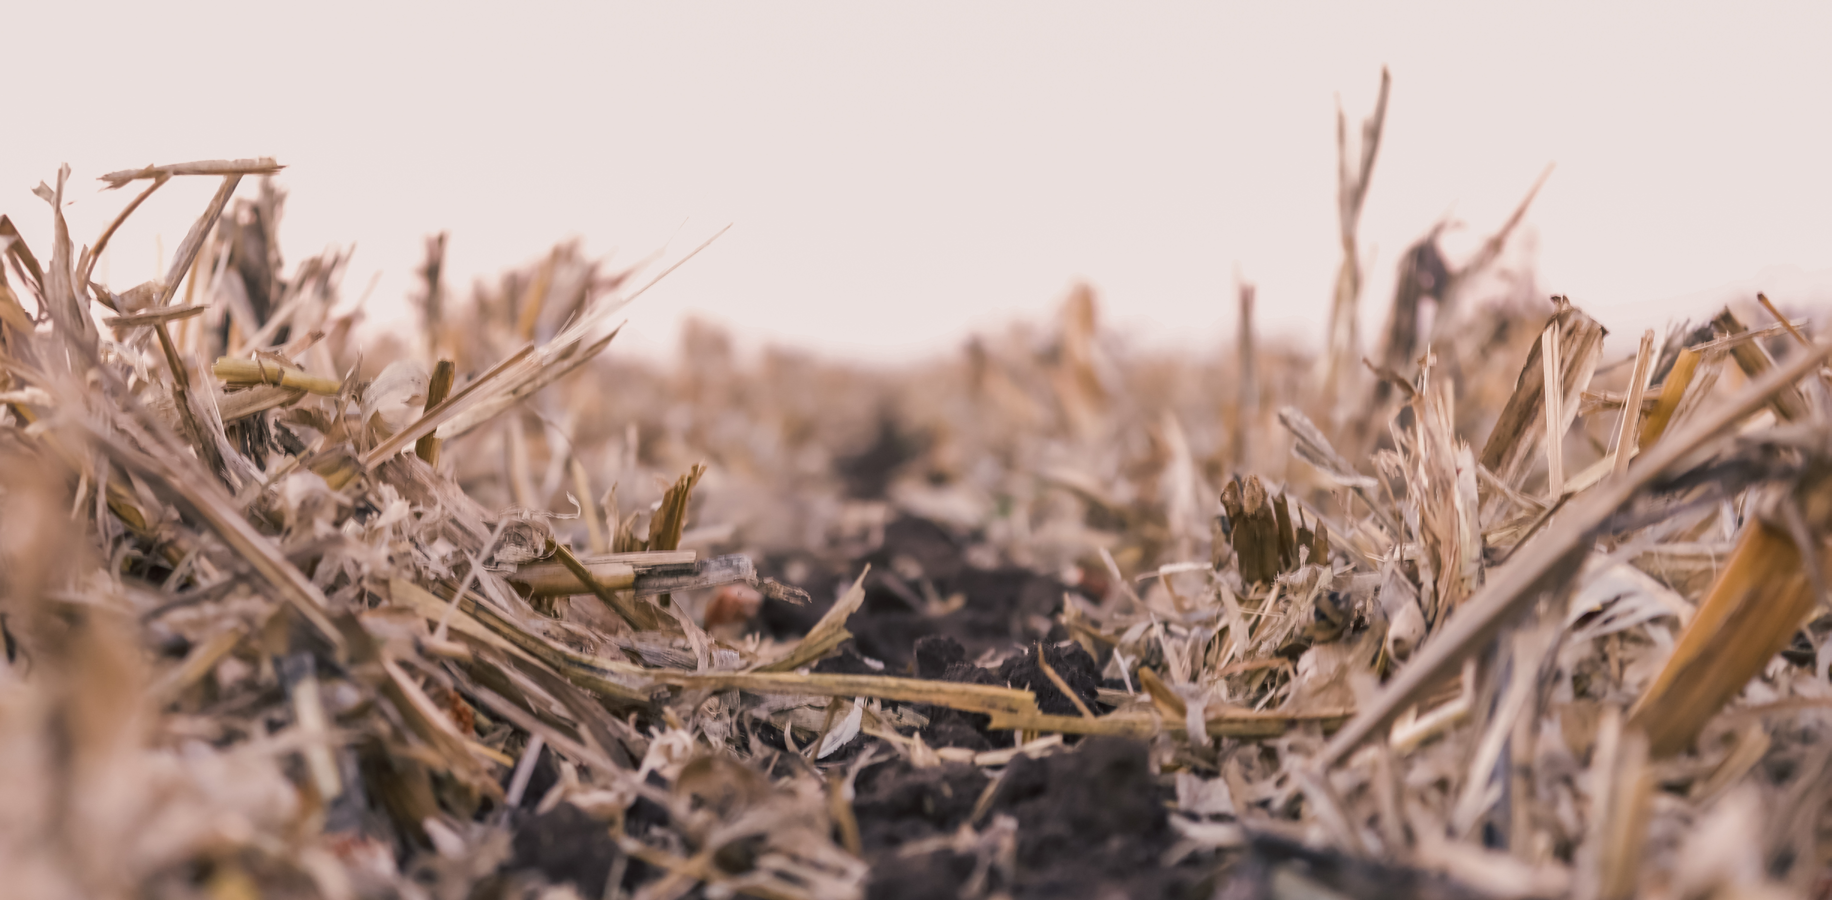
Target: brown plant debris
{"type": "Point", "coordinates": [484, 611]}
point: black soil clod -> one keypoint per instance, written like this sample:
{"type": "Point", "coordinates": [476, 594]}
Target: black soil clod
{"type": "Point", "coordinates": [565, 846]}
{"type": "Point", "coordinates": [1090, 824]}
{"type": "Point", "coordinates": [1071, 663]}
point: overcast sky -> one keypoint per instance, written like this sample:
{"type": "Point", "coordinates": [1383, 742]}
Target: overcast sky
{"type": "Point", "coordinates": [899, 175]}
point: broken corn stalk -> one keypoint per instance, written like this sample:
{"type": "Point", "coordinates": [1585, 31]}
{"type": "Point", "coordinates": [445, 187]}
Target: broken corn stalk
{"type": "Point", "coordinates": [1751, 613]}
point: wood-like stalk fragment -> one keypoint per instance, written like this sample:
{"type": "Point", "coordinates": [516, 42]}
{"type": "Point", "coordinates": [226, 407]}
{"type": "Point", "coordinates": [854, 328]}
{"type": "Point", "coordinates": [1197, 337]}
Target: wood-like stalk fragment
{"type": "Point", "coordinates": [978, 698]}
{"type": "Point", "coordinates": [14, 246]}
{"type": "Point", "coordinates": [260, 371]}
{"type": "Point", "coordinates": [559, 580]}
{"type": "Point", "coordinates": [1167, 701]}
{"type": "Point", "coordinates": [582, 488]}
{"type": "Point", "coordinates": [1770, 306]}
{"type": "Point", "coordinates": [1610, 861]}
{"type": "Point", "coordinates": [839, 808]}
{"type": "Point", "coordinates": [1631, 405]}
{"type": "Point", "coordinates": [1246, 404]}
{"type": "Point", "coordinates": [153, 317]}
{"type": "Point", "coordinates": [1256, 532]}
{"type": "Point", "coordinates": [610, 679]}
{"type": "Point", "coordinates": [1519, 431]}
{"type": "Point", "coordinates": [1753, 359]}
{"type": "Point", "coordinates": [195, 432]}
{"type": "Point", "coordinates": [640, 616]}
{"type": "Point", "coordinates": [1351, 192]}
{"type": "Point", "coordinates": [194, 240]}
{"type": "Point", "coordinates": [241, 404]}
{"type": "Point", "coordinates": [90, 254]}
{"type": "Point", "coordinates": [1752, 611]}
{"type": "Point", "coordinates": [670, 521]}
{"type": "Point", "coordinates": [453, 406]}
{"type": "Point", "coordinates": [1227, 722]}
{"type": "Point", "coordinates": [12, 314]}
{"type": "Point", "coordinates": [438, 387]}
{"type": "Point", "coordinates": [261, 166]}
{"type": "Point", "coordinates": [1552, 368]}
{"type": "Point", "coordinates": [1236, 724]}
{"type": "Point", "coordinates": [1672, 390]}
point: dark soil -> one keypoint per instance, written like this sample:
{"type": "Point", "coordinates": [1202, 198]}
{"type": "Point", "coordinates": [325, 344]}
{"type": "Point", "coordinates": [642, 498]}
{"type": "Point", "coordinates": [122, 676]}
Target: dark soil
{"type": "Point", "coordinates": [942, 657]}
{"type": "Point", "coordinates": [915, 572]}
{"type": "Point", "coordinates": [566, 846]}
{"type": "Point", "coordinates": [1091, 824]}
{"type": "Point", "coordinates": [1070, 662]}
{"type": "Point", "coordinates": [869, 472]}
{"type": "Point", "coordinates": [1298, 870]}
{"type": "Point", "coordinates": [848, 662]}
{"type": "Point", "coordinates": [897, 803]}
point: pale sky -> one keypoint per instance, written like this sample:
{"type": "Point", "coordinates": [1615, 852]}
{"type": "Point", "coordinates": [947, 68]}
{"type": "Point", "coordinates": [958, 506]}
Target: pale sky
{"type": "Point", "coordinates": [899, 175]}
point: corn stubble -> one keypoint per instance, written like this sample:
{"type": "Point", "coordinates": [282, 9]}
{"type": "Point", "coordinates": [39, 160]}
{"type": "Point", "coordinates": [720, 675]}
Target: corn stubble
{"type": "Point", "coordinates": [287, 618]}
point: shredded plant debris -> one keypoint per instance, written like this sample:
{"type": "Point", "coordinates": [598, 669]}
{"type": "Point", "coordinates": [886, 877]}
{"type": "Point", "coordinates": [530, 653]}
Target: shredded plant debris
{"type": "Point", "coordinates": [485, 612]}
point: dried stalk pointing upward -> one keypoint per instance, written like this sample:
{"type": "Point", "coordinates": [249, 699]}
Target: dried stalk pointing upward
{"type": "Point", "coordinates": [1351, 192]}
